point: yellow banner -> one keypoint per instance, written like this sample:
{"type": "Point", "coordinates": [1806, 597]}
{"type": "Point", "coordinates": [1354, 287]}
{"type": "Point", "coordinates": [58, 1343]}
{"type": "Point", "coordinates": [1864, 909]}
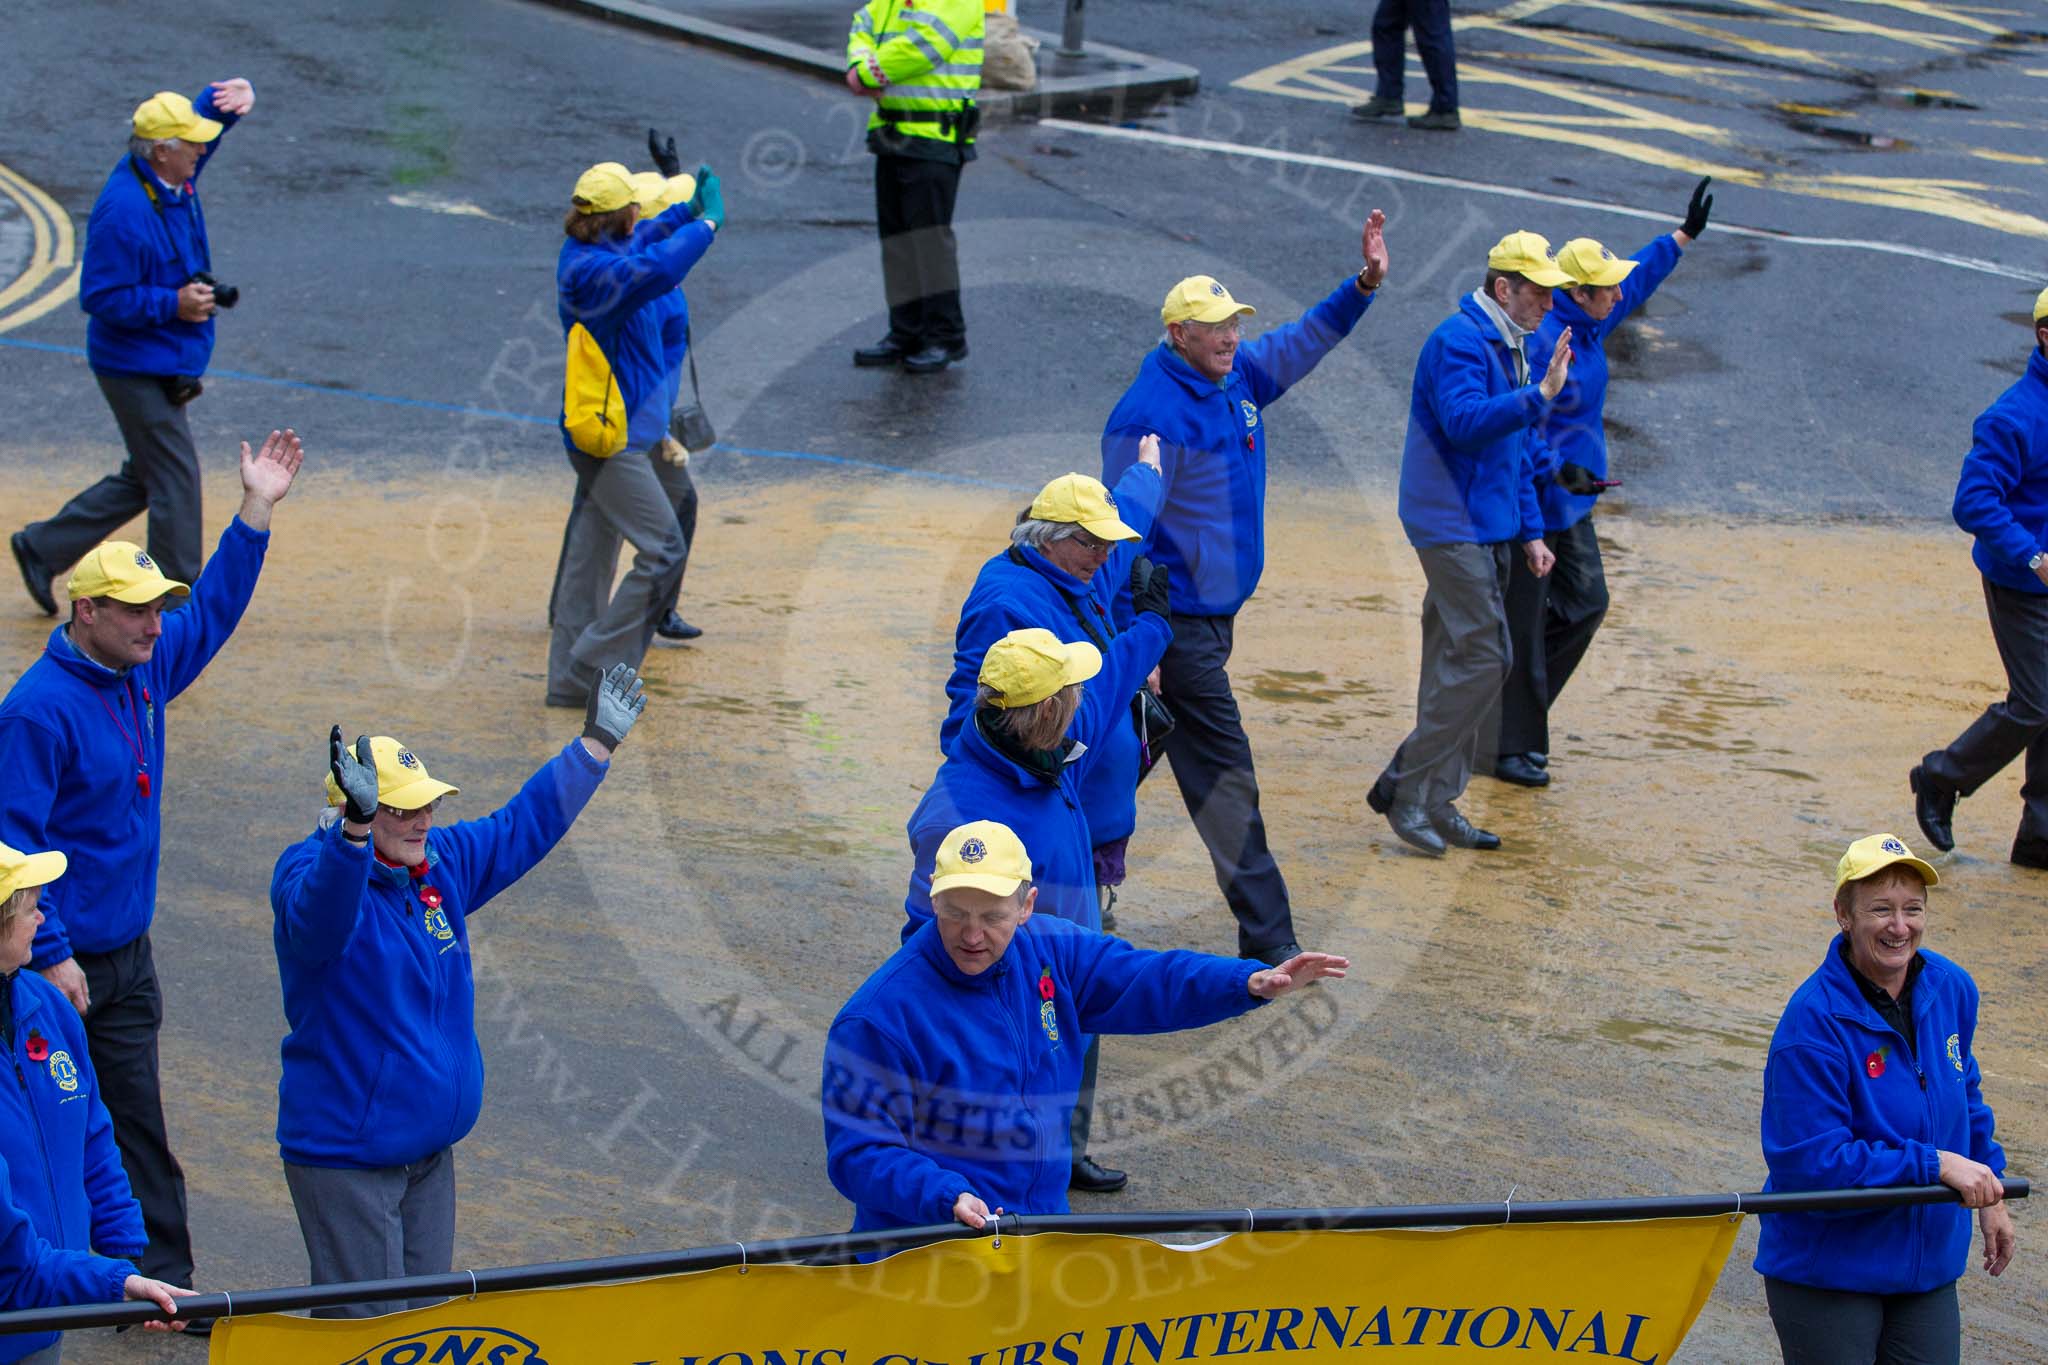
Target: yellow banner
{"type": "Point", "coordinates": [1564, 1291]}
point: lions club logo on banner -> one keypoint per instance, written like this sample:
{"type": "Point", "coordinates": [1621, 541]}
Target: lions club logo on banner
{"type": "Point", "coordinates": [483, 1345]}
{"type": "Point", "coordinates": [63, 1071]}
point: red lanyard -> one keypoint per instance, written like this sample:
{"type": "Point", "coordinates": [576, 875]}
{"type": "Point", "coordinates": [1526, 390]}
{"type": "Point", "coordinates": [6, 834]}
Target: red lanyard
{"type": "Point", "coordinates": [135, 739]}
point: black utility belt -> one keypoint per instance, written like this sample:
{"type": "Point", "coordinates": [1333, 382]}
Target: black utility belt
{"type": "Point", "coordinates": [958, 124]}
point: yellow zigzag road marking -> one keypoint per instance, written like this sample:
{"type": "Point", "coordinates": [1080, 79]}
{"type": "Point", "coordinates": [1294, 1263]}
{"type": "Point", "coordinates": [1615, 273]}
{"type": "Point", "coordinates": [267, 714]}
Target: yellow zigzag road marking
{"type": "Point", "coordinates": [53, 249]}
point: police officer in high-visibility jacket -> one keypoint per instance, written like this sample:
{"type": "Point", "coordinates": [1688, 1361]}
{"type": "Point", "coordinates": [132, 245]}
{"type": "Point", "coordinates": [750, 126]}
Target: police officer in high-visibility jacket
{"type": "Point", "coordinates": [920, 62]}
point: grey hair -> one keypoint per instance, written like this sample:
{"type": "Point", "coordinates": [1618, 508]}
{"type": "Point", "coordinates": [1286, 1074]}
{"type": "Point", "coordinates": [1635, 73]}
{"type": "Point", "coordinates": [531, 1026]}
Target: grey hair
{"type": "Point", "coordinates": [1031, 531]}
{"type": "Point", "coordinates": [145, 147]}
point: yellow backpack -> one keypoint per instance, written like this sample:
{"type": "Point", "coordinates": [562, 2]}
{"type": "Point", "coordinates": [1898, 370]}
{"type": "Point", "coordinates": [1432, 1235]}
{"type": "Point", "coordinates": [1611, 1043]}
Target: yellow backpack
{"type": "Point", "coordinates": [593, 411]}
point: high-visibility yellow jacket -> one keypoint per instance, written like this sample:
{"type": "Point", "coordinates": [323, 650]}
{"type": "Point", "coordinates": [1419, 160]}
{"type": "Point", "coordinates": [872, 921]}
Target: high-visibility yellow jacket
{"type": "Point", "coordinates": [929, 52]}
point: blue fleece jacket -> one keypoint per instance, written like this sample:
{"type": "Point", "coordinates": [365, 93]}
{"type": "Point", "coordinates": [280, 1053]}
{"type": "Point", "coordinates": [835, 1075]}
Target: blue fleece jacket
{"type": "Point", "coordinates": [1021, 588]}
{"type": "Point", "coordinates": [1575, 429]}
{"type": "Point", "coordinates": [34, 1274]}
{"type": "Point", "coordinates": [1847, 1106]}
{"type": "Point", "coordinates": [978, 781]}
{"type": "Point", "coordinates": [141, 245]}
{"type": "Point", "coordinates": [64, 1177]}
{"type": "Point", "coordinates": [69, 734]}
{"type": "Point", "coordinates": [2002, 496]}
{"type": "Point", "coordinates": [938, 1083]}
{"type": "Point", "coordinates": [381, 1064]}
{"type": "Point", "coordinates": [1212, 527]}
{"type": "Point", "coordinates": [1469, 466]}
{"type": "Point", "coordinates": [607, 286]}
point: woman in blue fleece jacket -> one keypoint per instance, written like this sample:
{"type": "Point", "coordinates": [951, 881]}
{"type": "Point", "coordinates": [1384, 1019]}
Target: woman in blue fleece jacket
{"type": "Point", "coordinates": [382, 1072]}
{"type": "Point", "coordinates": [63, 1191]}
{"type": "Point", "coordinates": [948, 1075]}
{"type": "Point", "coordinates": [1872, 1080]}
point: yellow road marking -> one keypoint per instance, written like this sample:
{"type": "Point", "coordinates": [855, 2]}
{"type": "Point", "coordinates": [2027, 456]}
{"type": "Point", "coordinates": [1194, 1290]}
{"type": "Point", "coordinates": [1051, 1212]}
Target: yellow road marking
{"type": "Point", "coordinates": [53, 249]}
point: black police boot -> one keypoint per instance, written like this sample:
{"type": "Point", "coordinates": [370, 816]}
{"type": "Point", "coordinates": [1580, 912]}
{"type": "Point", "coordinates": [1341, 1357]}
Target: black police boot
{"type": "Point", "coordinates": [930, 360]}
{"type": "Point", "coordinates": [1091, 1177]}
{"type": "Point", "coordinates": [34, 576]}
{"type": "Point", "coordinates": [1935, 808]}
{"type": "Point", "coordinates": [887, 351]}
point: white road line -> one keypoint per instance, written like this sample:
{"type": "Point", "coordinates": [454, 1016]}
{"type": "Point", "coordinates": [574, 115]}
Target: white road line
{"type": "Point", "coordinates": [1202, 144]}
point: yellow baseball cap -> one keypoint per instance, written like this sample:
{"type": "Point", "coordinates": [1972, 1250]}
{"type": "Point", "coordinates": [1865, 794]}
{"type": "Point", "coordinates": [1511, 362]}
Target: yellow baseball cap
{"type": "Point", "coordinates": [980, 856]}
{"type": "Point", "coordinates": [1527, 254]}
{"type": "Point", "coordinates": [120, 570]}
{"type": "Point", "coordinates": [1588, 262]}
{"type": "Point", "coordinates": [1873, 854]}
{"type": "Point", "coordinates": [402, 781]}
{"type": "Point", "coordinates": [604, 187]}
{"type": "Point", "coordinates": [1027, 666]}
{"type": "Point", "coordinates": [19, 871]}
{"type": "Point", "coordinates": [654, 191]}
{"type": "Point", "coordinates": [169, 114]}
{"type": "Point", "coordinates": [1078, 498]}
{"type": "Point", "coordinates": [1199, 298]}
{"type": "Point", "coordinates": [2041, 306]}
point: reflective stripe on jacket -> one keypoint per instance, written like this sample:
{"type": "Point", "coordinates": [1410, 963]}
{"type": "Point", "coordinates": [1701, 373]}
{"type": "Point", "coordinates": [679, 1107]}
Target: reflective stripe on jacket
{"type": "Point", "coordinates": [930, 56]}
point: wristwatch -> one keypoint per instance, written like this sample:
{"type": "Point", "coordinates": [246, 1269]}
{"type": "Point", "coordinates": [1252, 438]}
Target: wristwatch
{"type": "Point", "coordinates": [1359, 280]}
{"type": "Point", "coordinates": [2034, 564]}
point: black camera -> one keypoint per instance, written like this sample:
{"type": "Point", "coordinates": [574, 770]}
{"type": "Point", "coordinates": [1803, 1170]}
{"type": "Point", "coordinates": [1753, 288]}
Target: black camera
{"type": "Point", "coordinates": [224, 295]}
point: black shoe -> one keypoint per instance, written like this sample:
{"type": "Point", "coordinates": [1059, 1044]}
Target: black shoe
{"type": "Point", "coordinates": [1935, 809]}
{"type": "Point", "coordinates": [1450, 822]}
{"type": "Point", "coordinates": [1380, 796]}
{"type": "Point", "coordinates": [931, 359]}
{"type": "Point", "coordinates": [1437, 121]}
{"type": "Point", "coordinates": [1091, 1177]}
{"type": "Point", "coordinates": [1540, 760]}
{"type": "Point", "coordinates": [1517, 768]}
{"type": "Point", "coordinates": [1276, 954]}
{"type": "Point", "coordinates": [2030, 852]}
{"type": "Point", "coordinates": [1376, 109]}
{"type": "Point", "coordinates": [34, 576]}
{"type": "Point", "coordinates": [887, 351]}
{"type": "Point", "coordinates": [674, 627]}
{"type": "Point", "coordinates": [1413, 826]}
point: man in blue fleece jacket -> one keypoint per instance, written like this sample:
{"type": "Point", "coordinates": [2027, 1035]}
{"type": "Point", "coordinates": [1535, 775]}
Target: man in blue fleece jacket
{"type": "Point", "coordinates": [2002, 500]}
{"type": "Point", "coordinates": [382, 1071]}
{"type": "Point", "coordinates": [1552, 619]}
{"type": "Point", "coordinates": [1201, 390]}
{"type": "Point", "coordinates": [949, 1074]}
{"type": "Point", "coordinates": [82, 739]}
{"type": "Point", "coordinates": [63, 1194]}
{"type": "Point", "coordinates": [1070, 554]}
{"type": "Point", "coordinates": [1468, 495]}
{"type": "Point", "coordinates": [149, 338]}
{"type": "Point", "coordinates": [611, 272]}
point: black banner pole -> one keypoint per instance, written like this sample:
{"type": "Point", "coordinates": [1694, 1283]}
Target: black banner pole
{"type": "Point", "coordinates": [844, 1247]}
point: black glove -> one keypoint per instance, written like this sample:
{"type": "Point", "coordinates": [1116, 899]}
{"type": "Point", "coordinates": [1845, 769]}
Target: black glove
{"type": "Point", "coordinates": [1150, 585]}
{"type": "Point", "coordinates": [664, 153]}
{"type": "Point", "coordinates": [615, 703]}
{"type": "Point", "coordinates": [1696, 212]}
{"type": "Point", "coordinates": [1576, 478]}
{"type": "Point", "coordinates": [355, 774]}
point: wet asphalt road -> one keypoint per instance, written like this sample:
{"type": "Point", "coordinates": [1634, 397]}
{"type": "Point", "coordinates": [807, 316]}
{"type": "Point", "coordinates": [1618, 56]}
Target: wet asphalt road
{"type": "Point", "coordinates": [391, 213]}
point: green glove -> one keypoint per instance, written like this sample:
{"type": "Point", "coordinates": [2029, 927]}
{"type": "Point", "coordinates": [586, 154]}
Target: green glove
{"type": "Point", "coordinates": [709, 200]}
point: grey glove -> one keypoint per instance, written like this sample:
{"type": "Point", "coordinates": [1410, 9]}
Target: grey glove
{"type": "Point", "coordinates": [615, 703]}
{"type": "Point", "coordinates": [1149, 588]}
{"type": "Point", "coordinates": [356, 775]}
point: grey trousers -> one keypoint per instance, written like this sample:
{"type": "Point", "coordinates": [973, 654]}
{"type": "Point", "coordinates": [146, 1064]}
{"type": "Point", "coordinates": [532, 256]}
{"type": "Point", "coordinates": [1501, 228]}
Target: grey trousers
{"type": "Point", "coordinates": [1835, 1327]}
{"type": "Point", "coordinates": [376, 1225]}
{"type": "Point", "coordinates": [626, 498]}
{"type": "Point", "coordinates": [1465, 658]}
{"type": "Point", "coordinates": [161, 474]}
{"type": "Point", "coordinates": [2018, 725]}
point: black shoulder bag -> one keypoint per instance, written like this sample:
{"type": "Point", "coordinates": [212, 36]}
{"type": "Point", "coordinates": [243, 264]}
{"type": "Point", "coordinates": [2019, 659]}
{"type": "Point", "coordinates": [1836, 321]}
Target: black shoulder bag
{"type": "Point", "coordinates": [688, 423]}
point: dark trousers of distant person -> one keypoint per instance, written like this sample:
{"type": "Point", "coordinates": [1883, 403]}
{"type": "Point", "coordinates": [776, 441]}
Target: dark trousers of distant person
{"type": "Point", "coordinates": [1837, 1327]}
{"type": "Point", "coordinates": [1212, 763]}
{"type": "Point", "coordinates": [121, 1027]}
{"type": "Point", "coordinates": [914, 200]}
{"type": "Point", "coordinates": [682, 490]}
{"type": "Point", "coordinates": [160, 475]}
{"type": "Point", "coordinates": [1431, 20]}
{"type": "Point", "coordinates": [1466, 652]}
{"type": "Point", "coordinates": [2018, 725]}
{"type": "Point", "coordinates": [1551, 622]}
